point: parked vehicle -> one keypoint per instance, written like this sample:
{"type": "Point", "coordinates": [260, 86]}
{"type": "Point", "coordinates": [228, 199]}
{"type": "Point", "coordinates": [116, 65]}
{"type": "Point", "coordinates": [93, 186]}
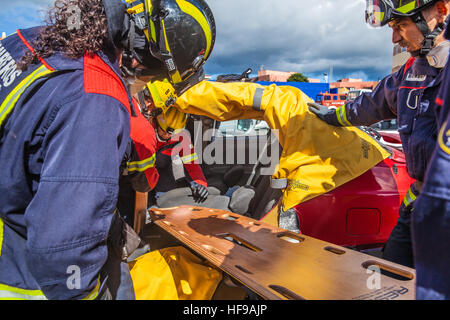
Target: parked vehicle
{"type": "Point", "coordinates": [353, 94]}
{"type": "Point", "coordinates": [334, 100]}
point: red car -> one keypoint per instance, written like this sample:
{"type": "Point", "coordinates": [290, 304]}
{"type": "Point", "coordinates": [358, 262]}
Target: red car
{"type": "Point", "coordinates": [363, 212]}
{"type": "Point", "coordinates": [335, 100]}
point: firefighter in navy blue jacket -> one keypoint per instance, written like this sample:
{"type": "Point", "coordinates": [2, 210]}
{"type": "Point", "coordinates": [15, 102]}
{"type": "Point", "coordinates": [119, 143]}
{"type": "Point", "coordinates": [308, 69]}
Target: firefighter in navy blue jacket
{"type": "Point", "coordinates": [431, 219]}
{"type": "Point", "coordinates": [65, 139]}
{"type": "Point", "coordinates": [408, 95]}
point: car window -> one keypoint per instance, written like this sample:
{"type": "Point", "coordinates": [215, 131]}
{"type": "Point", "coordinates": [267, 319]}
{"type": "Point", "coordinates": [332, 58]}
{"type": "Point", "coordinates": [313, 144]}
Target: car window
{"type": "Point", "coordinates": [244, 127]}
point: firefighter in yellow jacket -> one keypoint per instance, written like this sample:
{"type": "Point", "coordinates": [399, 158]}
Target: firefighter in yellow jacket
{"type": "Point", "coordinates": [316, 158]}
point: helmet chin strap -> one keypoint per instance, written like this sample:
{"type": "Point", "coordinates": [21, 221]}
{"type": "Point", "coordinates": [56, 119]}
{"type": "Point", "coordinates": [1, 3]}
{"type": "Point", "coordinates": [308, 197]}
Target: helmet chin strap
{"type": "Point", "coordinates": [430, 36]}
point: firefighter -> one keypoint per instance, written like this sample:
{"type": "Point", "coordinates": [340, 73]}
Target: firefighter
{"type": "Point", "coordinates": [431, 218]}
{"type": "Point", "coordinates": [408, 95]}
{"type": "Point", "coordinates": [65, 139]}
{"type": "Point", "coordinates": [175, 155]}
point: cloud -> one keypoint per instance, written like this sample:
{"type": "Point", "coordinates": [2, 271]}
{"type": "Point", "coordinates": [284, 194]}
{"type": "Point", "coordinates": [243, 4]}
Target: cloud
{"type": "Point", "coordinates": [298, 35]}
{"type": "Point", "coordinates": [308, 36]}
{"type": "Point", "coordinates": [22, 14]}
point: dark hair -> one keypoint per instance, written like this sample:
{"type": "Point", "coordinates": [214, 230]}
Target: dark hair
{"type": "Point", "coordinates": [73, 27]}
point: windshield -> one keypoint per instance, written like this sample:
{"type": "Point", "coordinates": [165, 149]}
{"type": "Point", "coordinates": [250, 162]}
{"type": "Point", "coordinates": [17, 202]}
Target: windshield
{"type": "Point", "coordinates": [352, 95]}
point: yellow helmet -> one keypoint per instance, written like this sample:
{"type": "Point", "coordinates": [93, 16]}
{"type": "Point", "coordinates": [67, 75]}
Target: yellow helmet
{"type": "Point", "coordinates": [162, 93]}
{"type": "Point", "coordinates": [172, 121]}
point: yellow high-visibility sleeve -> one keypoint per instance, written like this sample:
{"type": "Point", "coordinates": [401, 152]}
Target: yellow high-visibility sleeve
{"type": "Point", "coordinates": [220, 101]}
{"type": "Point", "coordinates": [316, 157]}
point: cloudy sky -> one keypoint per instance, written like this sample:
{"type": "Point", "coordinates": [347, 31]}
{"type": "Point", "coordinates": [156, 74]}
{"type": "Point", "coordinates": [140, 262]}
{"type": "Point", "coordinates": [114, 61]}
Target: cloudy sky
{"type": "Point", "coordinates": [308, 36]}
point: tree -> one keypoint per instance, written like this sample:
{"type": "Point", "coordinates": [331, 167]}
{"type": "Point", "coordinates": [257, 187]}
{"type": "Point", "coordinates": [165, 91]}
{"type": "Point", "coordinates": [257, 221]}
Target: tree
{"type": "Point", "coordinates": [298, 77]}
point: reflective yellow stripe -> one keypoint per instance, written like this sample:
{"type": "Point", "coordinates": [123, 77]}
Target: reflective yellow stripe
{"type": "Point", "coordinates": [165, 35]}
{"type": "Point", "coordinates": [342, 116]}
{"type": "Point", "coordinates": [1, 236]}
{"type": "Point", "coordinates": [407, 7]}
{"type": "Point", "coordinates": [192, 10]}
{"type": "Point", "coordinates": [189, 158]}
{"type": "Point", "coordinates": [442, 144]}
{"type": "Point", "coordinates": [151, 23]}
{"type": "Point", "coordinates": [409, 198]}
{"type": "Point", "coordinates": [94, 294]}
{"type": "Point", "coordinates": [141, 166]}
{"type": "Point", "coordinates": [12, 293]}
{"type": "Point", "coordinates": [10, 101]}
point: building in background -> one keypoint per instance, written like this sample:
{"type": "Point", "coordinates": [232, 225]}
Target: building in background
{"type": "Point", "coordinates": [348, 84]}
{"type": "Point", "coordinates": [278, 76]}
{"type": "Point", "coordinates": [3, 36]}
{"type": "Point", "coordinates": [399, 57]}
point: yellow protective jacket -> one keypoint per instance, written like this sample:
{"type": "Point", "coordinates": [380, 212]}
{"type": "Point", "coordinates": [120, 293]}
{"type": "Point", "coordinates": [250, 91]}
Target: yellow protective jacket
{"type": "Point", "coordinates": [316, 157]}
{"type": "Point", "coordinates": [173, 274]}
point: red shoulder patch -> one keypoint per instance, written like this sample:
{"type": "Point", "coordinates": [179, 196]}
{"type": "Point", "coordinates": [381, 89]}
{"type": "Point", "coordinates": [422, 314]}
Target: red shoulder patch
{"type": "Point", "coordinates": [409, 64]}
{"type": "Point", "coordinates": [99, 78]}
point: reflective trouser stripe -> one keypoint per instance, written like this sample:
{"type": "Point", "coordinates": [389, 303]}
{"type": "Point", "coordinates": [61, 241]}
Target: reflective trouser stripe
{"type": "Point", "coordinates": [410, 197]}
{"type": "Point", "coordinates": [141, 166]}
{"type": "Point", "coordinates": [1, 236]}
{"type": "Point", "coordinates": [11, 293]}
{"type": "Point", "coordinates": [342, 116]}
{"type": "Point", "coordinates": [11, 100]}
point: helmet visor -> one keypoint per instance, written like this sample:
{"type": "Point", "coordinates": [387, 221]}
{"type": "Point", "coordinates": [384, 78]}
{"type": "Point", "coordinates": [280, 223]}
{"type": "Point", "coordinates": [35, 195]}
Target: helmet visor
{"type": "Point", "coordinates": [380, 12]}
{"type": "Point", "coordinates": [377, 13]}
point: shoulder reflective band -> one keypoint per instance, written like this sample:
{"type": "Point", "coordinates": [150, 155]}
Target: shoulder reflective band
{"type": "Point", "coordinates": [1, 236]}
{"type": "Point", "coordinates": [10, 101]}
{"type": "Point", "coordinates": [12, 293]}
{"type": "Point", "coordinates": [279, 183]}
{"type": "Point", "coordinates": [410, 197]}
{"type": "Point", "coordinates": [257, 99]}
{"type": "Point", "coordinates": [141, 166]}
{"type": "Point", "coordinates": [342, 117]}
{"type": "Point", "coordinates": [442, 144]}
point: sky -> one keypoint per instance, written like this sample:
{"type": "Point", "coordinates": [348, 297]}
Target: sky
{"type": "Point", "coordinates": [307, 36]}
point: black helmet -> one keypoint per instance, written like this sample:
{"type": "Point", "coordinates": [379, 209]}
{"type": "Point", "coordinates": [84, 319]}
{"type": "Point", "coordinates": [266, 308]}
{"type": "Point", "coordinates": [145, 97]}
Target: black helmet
{"type": "Point", "coordinates": [179, 34]}
{"type": "Point", "coordinates": [381, 12]}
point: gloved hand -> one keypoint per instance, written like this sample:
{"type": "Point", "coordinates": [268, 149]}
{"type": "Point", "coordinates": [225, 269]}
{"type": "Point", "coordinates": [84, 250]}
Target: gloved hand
{"type": "Point", "coordinates": [199, 192]}
{"type": "Point", "coordinates": [324, 113]}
